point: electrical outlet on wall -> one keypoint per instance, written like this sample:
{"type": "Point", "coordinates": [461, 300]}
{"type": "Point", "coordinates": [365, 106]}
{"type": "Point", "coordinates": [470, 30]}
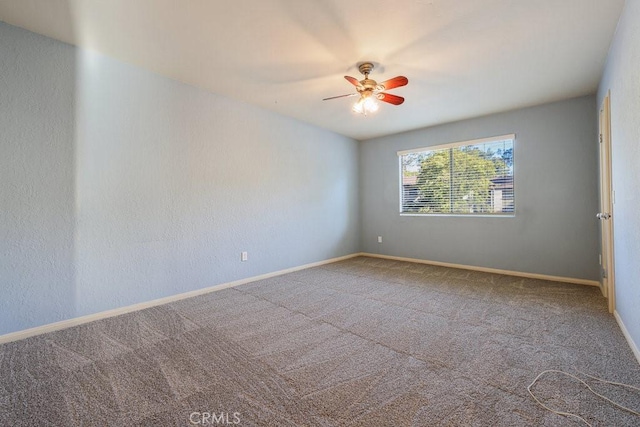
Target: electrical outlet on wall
{"type": "Point", "coordinates": [379, 239]}
{"type": "Point", "coordinates": [244, 256]}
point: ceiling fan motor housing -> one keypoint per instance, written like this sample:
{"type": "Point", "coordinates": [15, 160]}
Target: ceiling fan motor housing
{"type": "Point", "coordinates": [367, 84]}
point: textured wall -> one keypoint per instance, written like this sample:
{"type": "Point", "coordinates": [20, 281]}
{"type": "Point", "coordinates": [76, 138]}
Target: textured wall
{"type": "Point", "coordinates": [37, 190]}
{"type": "Point", "coordinates": [621, 77]}
{"type": "Point", "coordinates": [554, 230]}
{"type": "Point", "coordinates": [120, 186]}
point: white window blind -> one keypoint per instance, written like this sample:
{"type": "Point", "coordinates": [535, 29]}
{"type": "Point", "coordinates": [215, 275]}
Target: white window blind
{"type": "Point", "coordinates": [464, 178]}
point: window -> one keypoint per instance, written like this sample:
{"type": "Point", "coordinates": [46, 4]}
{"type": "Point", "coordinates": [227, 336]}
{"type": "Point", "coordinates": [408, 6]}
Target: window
{"type": "Point", "coordinates": [463, 178]}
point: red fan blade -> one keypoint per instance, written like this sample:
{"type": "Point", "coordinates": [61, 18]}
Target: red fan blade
{"type": "Point", "coordinates": [340, 96]}
{"type": "Point", "coordinates": [391, 99]}
{"type": "Point", "coordinates": [394, 82]}
{"type": "Point", "coordinates": [353, 81]}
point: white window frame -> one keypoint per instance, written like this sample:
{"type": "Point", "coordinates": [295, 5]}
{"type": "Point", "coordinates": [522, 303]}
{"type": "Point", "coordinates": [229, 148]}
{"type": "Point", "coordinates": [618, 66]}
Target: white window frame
{"type": "Point", "coordinates": [511, 136]}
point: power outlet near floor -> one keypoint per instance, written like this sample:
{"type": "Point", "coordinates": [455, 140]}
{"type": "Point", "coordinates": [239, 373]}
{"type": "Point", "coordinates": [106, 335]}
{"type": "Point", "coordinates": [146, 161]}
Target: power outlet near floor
{"type": "Point", "coordinates": [379, 239]}
{"type": "Point", "coordinates": [244, 256]}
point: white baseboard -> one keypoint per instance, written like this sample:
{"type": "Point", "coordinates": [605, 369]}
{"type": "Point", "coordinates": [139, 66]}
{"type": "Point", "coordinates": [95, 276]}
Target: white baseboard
{"type": "Point", "coordinates": [627, 335]}
{"type": "Point", "coordinates": [51, 327]}
{"type": "Point", "coordinates": [489, 270]}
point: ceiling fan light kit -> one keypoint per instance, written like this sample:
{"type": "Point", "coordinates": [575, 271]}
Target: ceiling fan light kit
{"type": "Point", "coordinates": [366, 104]}
{"type": "Point", "coordinates": [371, 91]}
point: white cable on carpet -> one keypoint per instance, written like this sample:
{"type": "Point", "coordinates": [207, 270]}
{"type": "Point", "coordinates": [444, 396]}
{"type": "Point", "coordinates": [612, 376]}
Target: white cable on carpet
{"type": "Point", "coordinates": [569, 414]}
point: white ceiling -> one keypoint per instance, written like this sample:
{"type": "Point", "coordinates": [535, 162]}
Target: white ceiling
{"type": "Point", "coordinates": [463, 58]}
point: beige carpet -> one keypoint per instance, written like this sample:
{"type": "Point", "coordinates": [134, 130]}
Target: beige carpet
{"type": "Point", "coordinates": [363, 342]}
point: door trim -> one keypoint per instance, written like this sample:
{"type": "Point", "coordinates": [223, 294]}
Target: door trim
{"type": "Point", "coordinates": [606, 203]}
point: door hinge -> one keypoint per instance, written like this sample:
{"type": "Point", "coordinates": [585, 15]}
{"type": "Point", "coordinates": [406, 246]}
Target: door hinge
{"type": "Point", "coordinates": [604, 273]}
{"type": "Point", "coordinates": [600, 138]}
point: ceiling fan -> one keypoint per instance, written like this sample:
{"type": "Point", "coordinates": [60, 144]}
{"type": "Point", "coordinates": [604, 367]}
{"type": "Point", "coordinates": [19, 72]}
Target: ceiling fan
{"type": "Point", "coordinates": [371, 91]}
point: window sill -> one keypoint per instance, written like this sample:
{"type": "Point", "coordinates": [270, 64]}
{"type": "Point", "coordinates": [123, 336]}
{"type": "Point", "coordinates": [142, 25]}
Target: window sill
{"type": "Point", "coordinates": [463, 215]}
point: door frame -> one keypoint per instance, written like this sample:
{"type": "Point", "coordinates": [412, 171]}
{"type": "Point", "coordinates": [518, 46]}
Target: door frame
{"type": "Point", "coordinates": [607, 199]}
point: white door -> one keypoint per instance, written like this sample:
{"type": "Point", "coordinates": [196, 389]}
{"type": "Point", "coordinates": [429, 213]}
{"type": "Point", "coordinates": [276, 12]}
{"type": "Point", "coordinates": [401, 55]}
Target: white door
{"type": "Point", "coordinates": [606, 205]}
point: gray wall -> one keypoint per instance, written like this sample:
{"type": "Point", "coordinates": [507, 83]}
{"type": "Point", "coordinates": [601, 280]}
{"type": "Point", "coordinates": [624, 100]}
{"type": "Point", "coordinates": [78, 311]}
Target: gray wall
{"type": "Point", "coordinates": [119, 186]}
{"type": "Point", "coordinates": [37, 194]}
{"type": "Point", "coordinates": [621, 77]}
{"type": "Point", "coordinates": [554, 230]}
